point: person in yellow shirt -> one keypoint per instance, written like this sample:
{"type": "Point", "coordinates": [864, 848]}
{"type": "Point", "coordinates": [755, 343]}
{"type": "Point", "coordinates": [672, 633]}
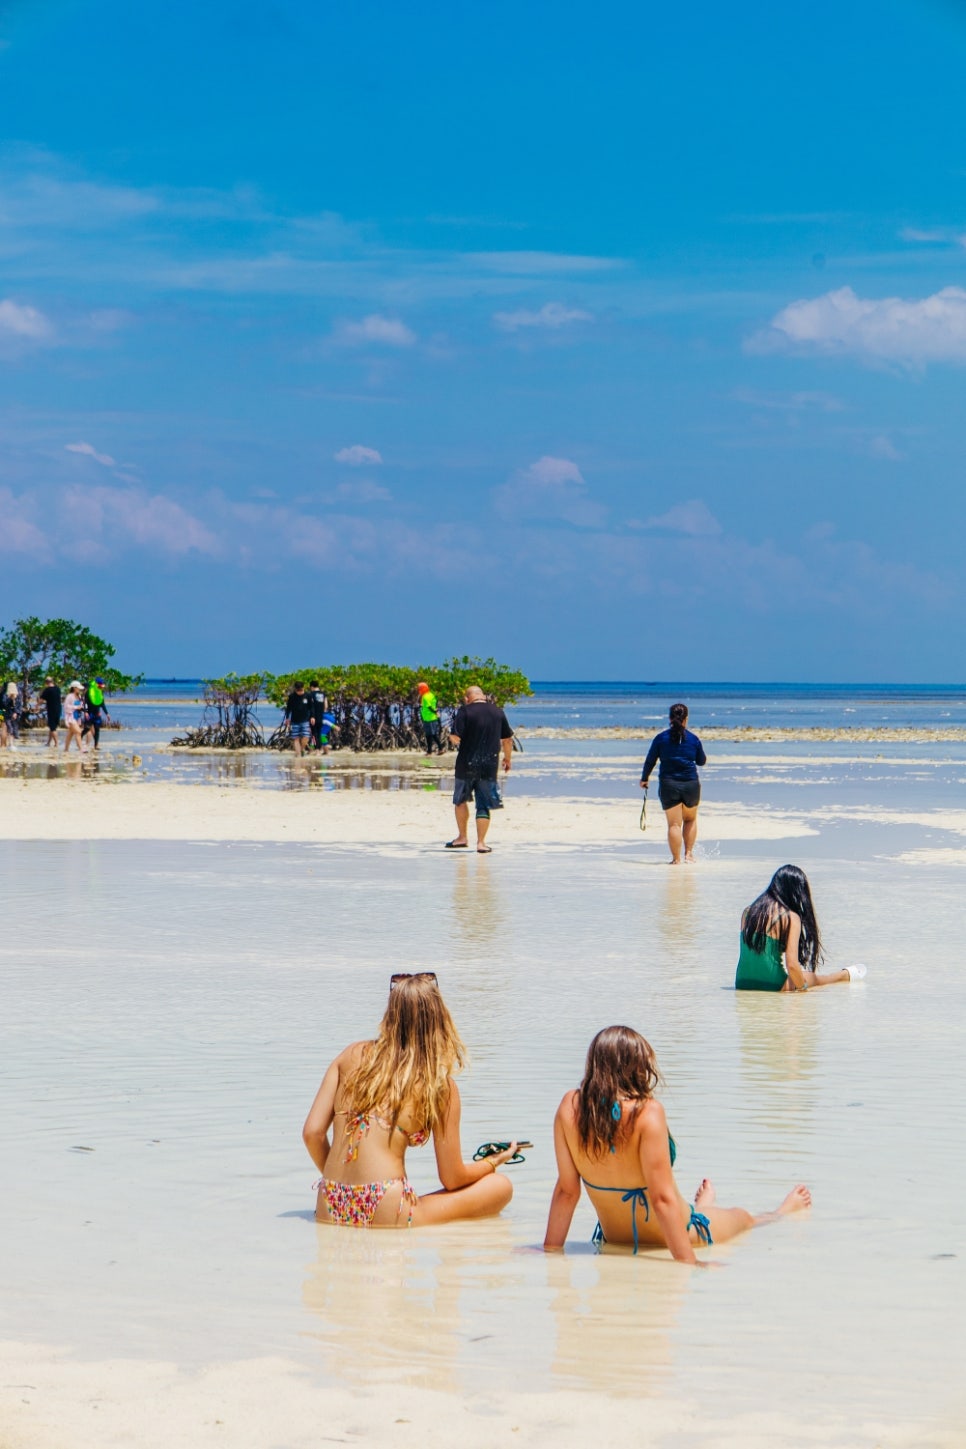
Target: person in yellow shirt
{"type": "Point", "coordinates": [429, 715]}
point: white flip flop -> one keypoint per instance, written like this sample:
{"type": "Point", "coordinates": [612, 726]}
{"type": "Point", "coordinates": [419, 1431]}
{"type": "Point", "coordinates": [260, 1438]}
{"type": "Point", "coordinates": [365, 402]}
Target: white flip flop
{"type": "Point", "coordinates": [857, 973]}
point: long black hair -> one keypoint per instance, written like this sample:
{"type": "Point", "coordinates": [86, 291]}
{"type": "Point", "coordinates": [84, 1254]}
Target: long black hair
{"type": "Point", "coordinates": [788, 890]}
{"type": "Point", "coordinates": [678, 715]}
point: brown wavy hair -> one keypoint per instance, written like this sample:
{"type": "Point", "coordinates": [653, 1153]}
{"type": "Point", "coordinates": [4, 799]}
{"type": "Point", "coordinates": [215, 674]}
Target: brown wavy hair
{"type": "Point", "coordinates": [409, 1065]}
{"type": "Point", "coordinates": [620, 1063]}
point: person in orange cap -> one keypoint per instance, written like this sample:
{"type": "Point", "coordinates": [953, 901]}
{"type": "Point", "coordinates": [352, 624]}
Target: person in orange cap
{"type": "Point", "coordinates": [429, 714]}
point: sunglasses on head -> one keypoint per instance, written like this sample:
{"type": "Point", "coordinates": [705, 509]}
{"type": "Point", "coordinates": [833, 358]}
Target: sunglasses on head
{"type": "Point", "coordinates": [398, 976]}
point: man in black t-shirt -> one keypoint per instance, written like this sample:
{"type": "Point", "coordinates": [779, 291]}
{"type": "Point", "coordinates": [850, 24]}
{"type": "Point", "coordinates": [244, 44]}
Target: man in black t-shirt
{"type": "Point", "coordinates": [319, 705]}
{"type": "Point", "coordinates": [481, 733]}
{"type": "Point", "coordinates": [50, 694]}
{"type": "Point", "coordinates": [299, 717]}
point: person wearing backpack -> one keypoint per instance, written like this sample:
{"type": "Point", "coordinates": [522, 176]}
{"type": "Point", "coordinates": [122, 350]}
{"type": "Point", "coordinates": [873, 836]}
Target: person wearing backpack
{"type": "Point", "coordinates": [96, 711]}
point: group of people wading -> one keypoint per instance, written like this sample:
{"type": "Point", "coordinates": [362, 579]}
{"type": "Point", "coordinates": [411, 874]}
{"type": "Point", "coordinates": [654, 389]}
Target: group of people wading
{"type": "Point", "coordinates": [81, 711]}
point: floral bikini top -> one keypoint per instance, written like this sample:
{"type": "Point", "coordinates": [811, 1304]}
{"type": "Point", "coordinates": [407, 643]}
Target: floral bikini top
{"type": "Point", "coordinates": [357, 1124]}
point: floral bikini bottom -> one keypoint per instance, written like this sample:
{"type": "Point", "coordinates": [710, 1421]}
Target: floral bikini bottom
{"type": "Point", "coordinates": [353, 1204]}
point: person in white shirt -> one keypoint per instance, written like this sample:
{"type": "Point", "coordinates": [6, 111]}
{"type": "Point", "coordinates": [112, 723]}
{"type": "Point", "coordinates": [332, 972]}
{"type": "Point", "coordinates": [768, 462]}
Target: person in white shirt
{"type": "Point", "coordinates": [74, 714]}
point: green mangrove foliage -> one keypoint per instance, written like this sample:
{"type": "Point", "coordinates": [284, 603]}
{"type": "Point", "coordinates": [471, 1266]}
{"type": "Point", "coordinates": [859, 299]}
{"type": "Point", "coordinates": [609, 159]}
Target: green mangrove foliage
{"type": "Point", "coordinates": [376, 706]}
{"type": "Point", "coordinates": [230, 720]}
{"type": "Point", "coordinates": [33, 648]}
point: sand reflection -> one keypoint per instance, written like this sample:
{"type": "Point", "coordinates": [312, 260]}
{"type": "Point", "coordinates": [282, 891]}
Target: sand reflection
{"type": "Point", "coordinates": [446, 1310]}
{"type": "Point", "coordinates": [779, 1039]}
{"type": "Point", "coordinates": [614, 1319]}
{"type": "Point", "coordinates": [428, 1309]}
{"type": "Point", "coordinates": [478, 914]}
{"type": "Point", "coordinates": [678, 917]}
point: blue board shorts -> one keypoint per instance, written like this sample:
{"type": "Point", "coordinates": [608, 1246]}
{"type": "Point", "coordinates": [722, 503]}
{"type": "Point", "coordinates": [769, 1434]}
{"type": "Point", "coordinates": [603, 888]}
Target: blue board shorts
{"type": "Point", "coordinates": [485, 792]}
{"type": "Point", "coordinates": [299, 731]}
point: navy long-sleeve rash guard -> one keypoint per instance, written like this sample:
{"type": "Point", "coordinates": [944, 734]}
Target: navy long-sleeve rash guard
{"type": "Point", "coordinates": [678, 761]}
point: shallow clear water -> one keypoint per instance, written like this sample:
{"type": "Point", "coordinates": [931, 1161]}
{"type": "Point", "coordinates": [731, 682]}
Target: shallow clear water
{"type": "Point", "coordinates": [168, 1013]}
{"type": "Point", "coordinates": [175, 705]}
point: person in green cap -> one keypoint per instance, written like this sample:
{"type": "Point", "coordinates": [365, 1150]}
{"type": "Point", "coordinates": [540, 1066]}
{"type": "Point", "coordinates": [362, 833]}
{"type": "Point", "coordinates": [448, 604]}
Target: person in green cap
{"type": "Point", "coordinates": [429, 714]}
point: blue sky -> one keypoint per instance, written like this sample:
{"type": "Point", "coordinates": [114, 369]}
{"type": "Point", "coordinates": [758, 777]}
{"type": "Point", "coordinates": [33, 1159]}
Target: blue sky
{"type": "Point", "coordinates": [612, 342]}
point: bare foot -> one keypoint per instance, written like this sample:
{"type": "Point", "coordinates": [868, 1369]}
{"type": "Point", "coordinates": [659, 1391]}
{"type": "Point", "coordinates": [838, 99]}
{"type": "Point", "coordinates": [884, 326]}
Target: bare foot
{"type": "Point", "coordinates": [689, 859]}
{"type": "Point", "coordinates": [674, 862]}
{"type": "Point", "coordinates": [705, 1195]}
{"type": "Point", "coordinates": [797, 1199]}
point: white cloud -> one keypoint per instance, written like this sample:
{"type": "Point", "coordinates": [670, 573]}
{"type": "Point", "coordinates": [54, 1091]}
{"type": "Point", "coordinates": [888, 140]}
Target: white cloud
{"type": "Point", "coordinates": [551, 315]}
{"type": "Point", "coordinates": [530, 264]}
{"type": "Point", "coordinates": [890, 329]}
{"type": "Point", "coordinates": [19, 320]}
{"type": "Point", "coordinates": [791, 402]}
{"type": "Point", "coordinates": [108, 319]}
{"type": "Point", "coordinates": [949, 236]}
{"type": "Point", "coordinates": [134, 516]}
{"type": "Point", "coordinates": [693, 518]}
{"type": "Point", "coordinates": [882, 446]}
{"type": "Point", "coordinates": [358, 457]}
{"type": "Point", "coordinates": [90, 452]}
{"type": "Point", "coordinates": [41, 197]}
{"type": "Point", "coordinates": [549, 472]}
{"type": "Point", "coordinates": [362, 491]}
{"type": "Point", "coordinates": [388, 331]}
{"type": "Point", "coordinates": [18, 532]}
{"type": "Point", "coordinates": [550, 488]}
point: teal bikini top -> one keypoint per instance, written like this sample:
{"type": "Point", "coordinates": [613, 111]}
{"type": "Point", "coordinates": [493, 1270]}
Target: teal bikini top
{"type": "Point", "coordinates": [637, 1197]}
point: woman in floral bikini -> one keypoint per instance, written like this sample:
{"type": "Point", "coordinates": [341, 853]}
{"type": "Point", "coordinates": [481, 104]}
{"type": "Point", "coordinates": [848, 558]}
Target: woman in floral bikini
{"type": "Point", "coordinates": [386, 1095]}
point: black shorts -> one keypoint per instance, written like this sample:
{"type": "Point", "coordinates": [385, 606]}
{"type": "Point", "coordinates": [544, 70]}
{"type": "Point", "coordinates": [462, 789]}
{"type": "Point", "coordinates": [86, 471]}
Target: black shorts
{"type": "Point", "coordinates": [679, 792]}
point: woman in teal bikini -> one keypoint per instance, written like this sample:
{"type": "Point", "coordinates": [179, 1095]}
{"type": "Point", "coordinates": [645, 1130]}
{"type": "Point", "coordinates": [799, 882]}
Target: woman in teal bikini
{"type": "Point", "coordinates": [612, 1136]}
{"type": "Point", "coordinates": [781, 923]}
{"type": "Point", "coordinates": [386, 1095]}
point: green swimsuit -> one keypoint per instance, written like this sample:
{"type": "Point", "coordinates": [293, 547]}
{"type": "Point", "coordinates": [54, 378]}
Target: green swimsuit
{"type": "Point", "coordinates": [760, 970]}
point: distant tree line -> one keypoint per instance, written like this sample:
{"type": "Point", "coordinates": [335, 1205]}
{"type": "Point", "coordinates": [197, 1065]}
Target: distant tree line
{"type": "Point", "coordinates": [30, 649]}
{"type": "Point", "coordinates": [374, 706]}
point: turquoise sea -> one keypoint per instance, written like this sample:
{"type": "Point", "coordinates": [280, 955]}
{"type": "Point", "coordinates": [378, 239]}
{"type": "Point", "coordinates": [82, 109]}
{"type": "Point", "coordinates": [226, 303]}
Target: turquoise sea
{"type": "Point", "coordinates": [607, 704]}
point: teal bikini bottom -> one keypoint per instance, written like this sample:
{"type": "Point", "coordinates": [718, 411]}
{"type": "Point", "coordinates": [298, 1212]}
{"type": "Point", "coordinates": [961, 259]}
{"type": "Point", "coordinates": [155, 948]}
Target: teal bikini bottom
{"type": "Point", "coordinates": [638, 1195]}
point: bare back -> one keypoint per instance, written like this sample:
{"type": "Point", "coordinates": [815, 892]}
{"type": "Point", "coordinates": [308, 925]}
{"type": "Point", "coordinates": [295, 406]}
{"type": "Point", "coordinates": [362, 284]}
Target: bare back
{"type": "Point", "coordinates": [621, 1184]}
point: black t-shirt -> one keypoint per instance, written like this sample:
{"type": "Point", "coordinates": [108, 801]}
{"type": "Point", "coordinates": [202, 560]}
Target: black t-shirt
{"type": "Point", "coordinates": [480, 728]}
{"type": "Point", "coordinates": [299, 708]}
{"type": "Point", "coordinates": [52, 702]}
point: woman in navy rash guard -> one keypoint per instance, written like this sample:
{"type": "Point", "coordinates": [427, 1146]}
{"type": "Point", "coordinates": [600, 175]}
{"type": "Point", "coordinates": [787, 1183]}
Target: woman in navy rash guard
{"type": "Point", "coordinates": [680, 753]}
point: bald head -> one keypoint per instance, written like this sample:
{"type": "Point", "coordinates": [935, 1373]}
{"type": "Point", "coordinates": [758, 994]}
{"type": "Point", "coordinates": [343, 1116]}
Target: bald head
{"type": "Point", "coordinates": [474, 695]}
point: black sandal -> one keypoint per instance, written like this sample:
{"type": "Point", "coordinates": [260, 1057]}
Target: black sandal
{"type": "Point", "coordinates": [490, 1149]}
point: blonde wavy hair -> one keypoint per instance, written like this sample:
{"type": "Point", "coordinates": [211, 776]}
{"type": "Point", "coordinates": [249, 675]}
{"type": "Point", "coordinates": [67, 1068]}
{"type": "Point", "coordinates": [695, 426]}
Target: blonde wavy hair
{"type": "Point", "coordinates": [409, 1064]}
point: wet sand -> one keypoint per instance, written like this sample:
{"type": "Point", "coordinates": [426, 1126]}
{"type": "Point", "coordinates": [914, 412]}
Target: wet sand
{"type": "Point", "coordinates": [100, 810]}
{"type": "Point", "coordinates": [187, 958]}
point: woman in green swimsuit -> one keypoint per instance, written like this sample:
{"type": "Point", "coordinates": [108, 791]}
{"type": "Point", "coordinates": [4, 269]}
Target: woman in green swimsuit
{"type": "Point", "coordinates": [611, 1135]}
{"type": "Point", "coordinates": [782, 921]}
